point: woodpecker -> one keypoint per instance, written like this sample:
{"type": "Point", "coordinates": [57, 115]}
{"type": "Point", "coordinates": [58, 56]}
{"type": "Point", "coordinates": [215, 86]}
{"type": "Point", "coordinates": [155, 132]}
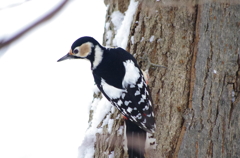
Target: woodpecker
{"type": "Point", "coordinates": [118, 76]}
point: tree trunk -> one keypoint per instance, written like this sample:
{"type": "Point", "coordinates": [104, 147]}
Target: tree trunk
{"type": "Point", "coordinates": [196, 99]}
{"type": "Point", "coordinates": [212, 126]}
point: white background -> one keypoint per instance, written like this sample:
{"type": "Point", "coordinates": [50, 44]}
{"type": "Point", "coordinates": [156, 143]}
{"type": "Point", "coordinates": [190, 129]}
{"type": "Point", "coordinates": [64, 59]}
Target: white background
{"type": "Point", "coordinates": [44, 104]}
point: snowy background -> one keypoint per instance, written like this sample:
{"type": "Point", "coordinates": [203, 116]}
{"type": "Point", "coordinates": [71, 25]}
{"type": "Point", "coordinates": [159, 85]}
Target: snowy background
{"type": "Point", "coordinates": [44, 105]}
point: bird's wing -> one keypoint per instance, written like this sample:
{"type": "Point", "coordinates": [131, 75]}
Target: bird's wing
{"type": "Point", "coordinates": [135, 103]}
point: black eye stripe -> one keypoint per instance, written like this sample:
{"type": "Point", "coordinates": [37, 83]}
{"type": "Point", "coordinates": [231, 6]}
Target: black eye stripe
{"type": "Point", "coordinates": [75, 51]}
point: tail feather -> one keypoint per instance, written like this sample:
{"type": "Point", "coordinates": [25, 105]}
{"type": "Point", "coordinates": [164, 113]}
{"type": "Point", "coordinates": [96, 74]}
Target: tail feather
{"type": "Point", "coordinates": [136, 138]}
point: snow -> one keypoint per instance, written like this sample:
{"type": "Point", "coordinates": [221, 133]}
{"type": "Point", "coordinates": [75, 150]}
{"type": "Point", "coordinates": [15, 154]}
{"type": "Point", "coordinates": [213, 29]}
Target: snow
{"type": "Point", "coordinates": [121, 37]}
{"type": "Point", "coordinates": [110, 125]}
{"type": "Point", "coordinates": [95, 89]}
{"type": "Point", "coordinates": [87, 151]}
{"type": "Point", "coordinates": [111, 155]}
{"type": "Point", "coordinates": [151, 39]}
{"type": "Point", "coordinates": [132, 39]}
{"type": "Point", "coordinates": [108, 37]}
{"type": "Point", "coordinates": [107, 24]}
{"type": "Point", "coordinates": [233, 96]}
{"type": "Point", "coordinates": [108, 34]}
{"type": "Point", "coordinates": [120, 130]}
{"type": "Point", "coordinates": [112, 109]}
{"type": "Point", "coordinates": [101, 108]}
{"type": "Point", "coordinates": [106, 120]}
{"type": "Point", "coordinates": [117, 18]}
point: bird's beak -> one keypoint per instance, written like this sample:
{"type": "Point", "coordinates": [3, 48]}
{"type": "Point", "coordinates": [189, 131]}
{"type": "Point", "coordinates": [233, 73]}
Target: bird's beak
{"type": "Point", "coordinates": [67, 56]}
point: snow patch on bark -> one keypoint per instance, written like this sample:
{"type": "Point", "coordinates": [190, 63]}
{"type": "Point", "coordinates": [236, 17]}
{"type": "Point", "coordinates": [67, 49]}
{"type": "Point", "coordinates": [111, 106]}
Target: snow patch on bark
{"type": "Point", "coordinates": [121, 37]}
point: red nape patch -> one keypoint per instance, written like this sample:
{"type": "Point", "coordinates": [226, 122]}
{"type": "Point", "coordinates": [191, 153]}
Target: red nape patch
{"type": "Point", "coordinates": [144, 114]}
{"type": "Point", "coordinates": [124, 117]}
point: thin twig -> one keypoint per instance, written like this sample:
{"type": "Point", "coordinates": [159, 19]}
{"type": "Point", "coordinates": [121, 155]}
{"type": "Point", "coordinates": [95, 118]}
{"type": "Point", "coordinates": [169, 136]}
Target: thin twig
{"type": "Point", "coordinates": [4, 43]}
{"type": "Point", "coordinates": [14, 5]}
{"type": "Point", "coordinates": [149, 63]}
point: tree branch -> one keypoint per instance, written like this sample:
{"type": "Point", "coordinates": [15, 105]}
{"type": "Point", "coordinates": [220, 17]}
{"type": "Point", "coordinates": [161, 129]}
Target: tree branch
{"type": "Point", "coordinates": [4, 43]}
{"type": "Point", "coordinates": [14, 5]}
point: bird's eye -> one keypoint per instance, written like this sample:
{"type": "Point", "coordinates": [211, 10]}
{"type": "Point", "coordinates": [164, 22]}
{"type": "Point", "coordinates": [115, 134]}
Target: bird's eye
{"type": "Point", "coordinates": [75, 51]}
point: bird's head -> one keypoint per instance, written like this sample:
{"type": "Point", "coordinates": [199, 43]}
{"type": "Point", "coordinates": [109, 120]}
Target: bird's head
{"type": "Point", "coordinates": [82, 48]}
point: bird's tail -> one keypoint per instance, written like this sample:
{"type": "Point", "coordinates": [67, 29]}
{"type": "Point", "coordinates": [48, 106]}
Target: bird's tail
{"type": "Point", "coordinates": [136, 138]}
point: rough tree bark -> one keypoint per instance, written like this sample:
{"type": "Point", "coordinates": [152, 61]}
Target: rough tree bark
{"type": "Point", "coordinates": [213, 124]}
{"type": "Point", "coordinates": [197, 101]}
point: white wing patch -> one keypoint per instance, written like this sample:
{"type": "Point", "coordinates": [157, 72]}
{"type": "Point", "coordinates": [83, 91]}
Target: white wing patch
{"type": "Point", "coordinates": [140, 84]}
{"type": "Point", "coordinates": [129, 109]}
{"type": "Point", "coordinates": [127, 102]}
{"type": "Point", "coordinates": [111, 92]}
{"type": "Point", "coordinates": [119, 102]}
{"type": "Point", "coordinates": [144, 96]}
{"type": "Point", "coordinates": [131, 74]}
{"type": "Point", "coordinates": [141, 101]}
{"type": "Point", "coordinates": [123, 95]}
{"type": "Point", "coordinates": [137, 93]}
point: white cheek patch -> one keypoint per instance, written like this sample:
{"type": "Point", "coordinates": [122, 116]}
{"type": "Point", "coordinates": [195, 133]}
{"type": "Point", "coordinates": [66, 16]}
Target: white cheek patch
{"type": "Point", "coordinates": [111, 92]}
{"type": "Point", "coordinates": [131, 74]}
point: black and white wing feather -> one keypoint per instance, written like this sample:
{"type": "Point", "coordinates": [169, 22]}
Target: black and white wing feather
{"type": "Point", "coordinates": [136, 105]}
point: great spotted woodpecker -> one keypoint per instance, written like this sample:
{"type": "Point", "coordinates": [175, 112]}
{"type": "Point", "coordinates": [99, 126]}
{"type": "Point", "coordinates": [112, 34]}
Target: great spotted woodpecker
{"type": "Point", "coordinates": [119, 78]}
